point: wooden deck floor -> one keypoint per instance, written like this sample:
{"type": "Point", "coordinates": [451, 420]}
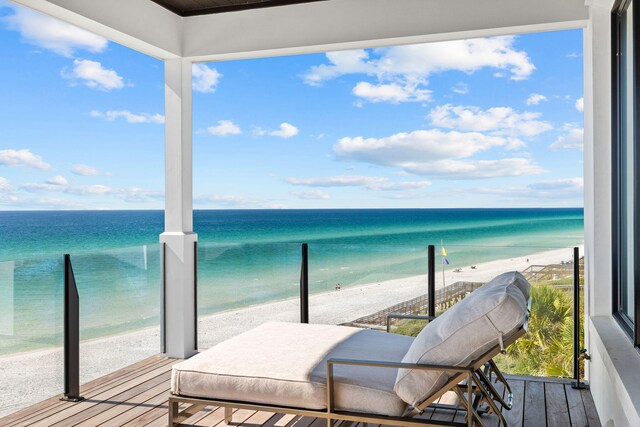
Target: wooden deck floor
{"type": "Point", "coordinates": [137, 396]}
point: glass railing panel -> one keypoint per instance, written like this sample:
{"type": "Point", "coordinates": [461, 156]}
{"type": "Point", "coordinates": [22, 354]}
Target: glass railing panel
{"type": "Point", "coordinates": [547, 348]}
{"type": "Point", "coordinates": [351, 282]}
{"type": "Point", "coordinates": [120, 306]}
{"type": "Point", "coordinates": [31, 331]}
{"type": "Point", "coordinates": [242, 286]}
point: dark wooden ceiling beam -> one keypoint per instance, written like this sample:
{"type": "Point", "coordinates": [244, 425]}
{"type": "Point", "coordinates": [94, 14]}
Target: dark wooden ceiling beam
{"type": "Point", "coordinates": [174, 7]}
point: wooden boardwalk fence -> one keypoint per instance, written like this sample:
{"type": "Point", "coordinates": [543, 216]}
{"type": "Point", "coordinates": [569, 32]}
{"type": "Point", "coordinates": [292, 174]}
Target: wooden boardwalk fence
{"type": "Point", "coordinates": [560, 275]}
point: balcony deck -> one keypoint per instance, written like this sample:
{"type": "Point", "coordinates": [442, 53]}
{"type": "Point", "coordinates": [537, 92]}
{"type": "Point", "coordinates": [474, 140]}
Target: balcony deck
{"type": "Point", "coordinates": [137, 396]}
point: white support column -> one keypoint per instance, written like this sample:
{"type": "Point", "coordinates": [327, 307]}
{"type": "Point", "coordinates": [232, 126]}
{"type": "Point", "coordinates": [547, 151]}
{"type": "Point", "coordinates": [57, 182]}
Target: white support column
{"type": "Point", "coordinates": [178, 237]}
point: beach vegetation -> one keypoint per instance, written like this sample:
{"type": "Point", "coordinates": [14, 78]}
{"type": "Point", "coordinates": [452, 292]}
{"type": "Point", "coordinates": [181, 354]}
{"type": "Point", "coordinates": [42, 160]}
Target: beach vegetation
{"type": "Point", "coordinates": [547, 348]}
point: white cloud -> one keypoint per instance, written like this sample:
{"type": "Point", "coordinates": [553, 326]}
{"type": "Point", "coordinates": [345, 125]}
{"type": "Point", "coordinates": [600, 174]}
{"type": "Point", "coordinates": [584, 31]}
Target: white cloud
{"type": "Point", "coordinates": [311, 195]}
{"type": "Point", "coordinates": [86, 170]}
{"type": "Point", "coordinates": [92, 74]}
{"type": "Point", "coordinates": [391, 92]}
{"type": "Point", "coordinates": [258, 131]}
{"type": "Point", "coordinates": [4, 184]}
{"type": "Point", "coordinates": [559, 184]}
{"type": "Point", "coordinates": [572, 139]}
{"type": "Point", "coordinates": [287, 130]}
{"type": "Point", "coordinates": [8, 199]}
{"type": "Point", "coordinates": [499, 120]}
{"type": "Point", "coordinates": [419, 146]}
{"type": "Point", "coordinates": [22, 158]}
{"type": "Point", "coordinates": [234, 201]}
{"type": "Point", "coordinates": [41, 187]}
{"type": "Point", "coordinates": [345, 62]}
{"type": "Point", "coordinates": [130, 117]}
{"type": "Point", "coordinates": [40, 202]}
{"type": "Point", "coordinates": [475, 169]}
{"type": "Point", "coordinates": [436, 153]}
{"type": "Point", "coordinates": [205, 79]}
{"type": "Point", "coordinates": [58, 180]}
{"type": "Point", "coordinates": [369, 182]}
{"type": "Point", "coordinates": [461, 88]}
{"type": "Point", "coordinates": [535, 99]}
{"type": "Point", "coordinates": [95, 189]}
{"type": "Point", "coordinates": [568, 189]}
{"type": "Point", "coordinates": [224, 128]}
{"type": "Point", "coordinates": [580, 104]}
{"type": "Point", "coordinates": [402, 72]}
{"type": "Point", "coordinates": [139, 195]}
{"type": "Point", "coordinates": [59, 184]}
{"type": "Point", "coordinates": [52, 34]}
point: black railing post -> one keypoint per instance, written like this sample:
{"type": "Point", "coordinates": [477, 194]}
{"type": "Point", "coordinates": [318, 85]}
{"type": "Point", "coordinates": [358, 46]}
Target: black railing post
{"type": "Point", "coordinates": [71, 335]}
{"type": "Point", "coordinates": [576, 320]}
{"type": "Point", "coordinates": [431, 278]}
{"type": "Point", "coordinates": [304, 285]}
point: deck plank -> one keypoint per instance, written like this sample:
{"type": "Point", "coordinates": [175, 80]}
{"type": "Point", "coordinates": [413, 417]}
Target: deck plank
{"type": "Point", "coordinates": [75, 408]}
{"type": "Point", "coordinates": [90, 394]}
{"type": "Point", "coordinates": [590, 408]}
{"type": "Point", "coordinates": [535, 414]}
{"type": "Point", "coordinates": [139, 410]}
{"type": "Point", "coordinates": [515, 416]}
{"type": "Point", "coordinates": [101, 413]}
{"type": "Point", "coordinates": [492, 420]}
{"type": "Point", "coordinates": [303, 422]}
{"type": "Point", "coordinates": [121, 399]}
{"type": "Point", "coordinates": [87, 390]}
{"type": "Point", "coordinates": [160, 411]}
{"type": "Point", "coordinates": [138, 396]}
{"type": "Point", "coordinates": [445, 414]}
{"type": "Point", "coordinates": [556, 404]}
{"type": "Point", "coordinates": [576, 407]}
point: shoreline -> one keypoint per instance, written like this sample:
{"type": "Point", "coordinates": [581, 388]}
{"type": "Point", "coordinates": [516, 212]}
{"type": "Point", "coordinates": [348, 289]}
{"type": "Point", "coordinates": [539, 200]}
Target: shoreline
{"type": "Point", "coordinates": [41, 369]}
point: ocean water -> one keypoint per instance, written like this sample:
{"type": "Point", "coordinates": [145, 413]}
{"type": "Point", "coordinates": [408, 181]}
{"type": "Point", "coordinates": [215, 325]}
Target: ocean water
{"type": "Point", "coordinates": [244, 257]}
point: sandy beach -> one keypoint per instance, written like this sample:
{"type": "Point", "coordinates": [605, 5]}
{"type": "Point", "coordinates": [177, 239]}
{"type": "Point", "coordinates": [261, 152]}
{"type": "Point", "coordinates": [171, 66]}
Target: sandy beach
{"type": "Point", "coordinates": [33, 376]}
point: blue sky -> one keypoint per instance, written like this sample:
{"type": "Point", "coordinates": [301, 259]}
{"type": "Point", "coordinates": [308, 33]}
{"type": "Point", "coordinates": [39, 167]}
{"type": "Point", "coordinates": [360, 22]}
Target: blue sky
{"type": "Point", "coordinates": [478, 123]}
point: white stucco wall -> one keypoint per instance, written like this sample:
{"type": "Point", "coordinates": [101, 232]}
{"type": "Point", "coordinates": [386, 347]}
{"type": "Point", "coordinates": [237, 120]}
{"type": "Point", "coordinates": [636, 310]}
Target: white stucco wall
{"type": "Point", "coordinates": [614, 369]}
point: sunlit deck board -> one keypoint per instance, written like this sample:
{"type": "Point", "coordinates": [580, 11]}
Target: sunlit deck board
{"type": "Point", "coordinates": [137, 396]}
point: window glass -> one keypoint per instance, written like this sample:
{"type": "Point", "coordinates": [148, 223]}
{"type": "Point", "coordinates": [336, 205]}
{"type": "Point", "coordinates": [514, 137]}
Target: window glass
{"type": "Point", "coordinates": [626, 150]}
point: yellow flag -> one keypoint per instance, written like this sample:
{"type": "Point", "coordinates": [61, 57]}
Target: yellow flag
{"type": "Point", "coordinates": [444, 251]}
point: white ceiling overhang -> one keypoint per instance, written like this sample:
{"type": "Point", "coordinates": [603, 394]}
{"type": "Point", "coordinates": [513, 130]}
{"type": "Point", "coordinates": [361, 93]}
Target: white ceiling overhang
{"type": "Point", "coordinates": [309, 27]}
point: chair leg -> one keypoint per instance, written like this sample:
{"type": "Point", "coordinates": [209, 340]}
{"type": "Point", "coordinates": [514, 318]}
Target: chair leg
{"type": "Point", "coordinates": [228, 415]}
{"type": "Point", "coordinates": [173, 413]}
{"type": "Point", "coordinates": [469, 402]}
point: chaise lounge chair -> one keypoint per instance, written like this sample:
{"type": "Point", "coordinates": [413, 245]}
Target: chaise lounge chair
{"type": "Point", "coordinates": [490, 368]}
{"type": "Point", "coordinates": [351, 374]}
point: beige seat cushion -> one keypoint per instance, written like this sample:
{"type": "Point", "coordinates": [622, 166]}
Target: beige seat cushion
{"type": "Point", "coordinates": [462, 334]}
{"type": "Point", "coordinates": [285, 364]}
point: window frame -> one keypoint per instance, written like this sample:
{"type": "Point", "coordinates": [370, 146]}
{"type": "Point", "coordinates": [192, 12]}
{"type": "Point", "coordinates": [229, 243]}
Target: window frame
{"type": "Point", "coordinates": [631, 327]}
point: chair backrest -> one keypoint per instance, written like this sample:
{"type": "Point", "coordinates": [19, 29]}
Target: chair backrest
{"type": "Point", "coordinates": [463, 333]}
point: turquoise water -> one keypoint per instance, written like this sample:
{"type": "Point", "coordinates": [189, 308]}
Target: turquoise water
{"type": "Point", "coordinates": [244, 257]}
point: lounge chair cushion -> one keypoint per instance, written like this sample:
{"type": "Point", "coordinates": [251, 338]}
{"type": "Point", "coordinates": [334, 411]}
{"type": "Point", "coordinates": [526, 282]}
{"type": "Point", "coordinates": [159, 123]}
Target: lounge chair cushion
{"type": "Point", "coordinates": [285, 364]}
{"type": "Point", "coordinates": [511, 277]}
{"type": "Point", "coordinates": [462, 334]}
